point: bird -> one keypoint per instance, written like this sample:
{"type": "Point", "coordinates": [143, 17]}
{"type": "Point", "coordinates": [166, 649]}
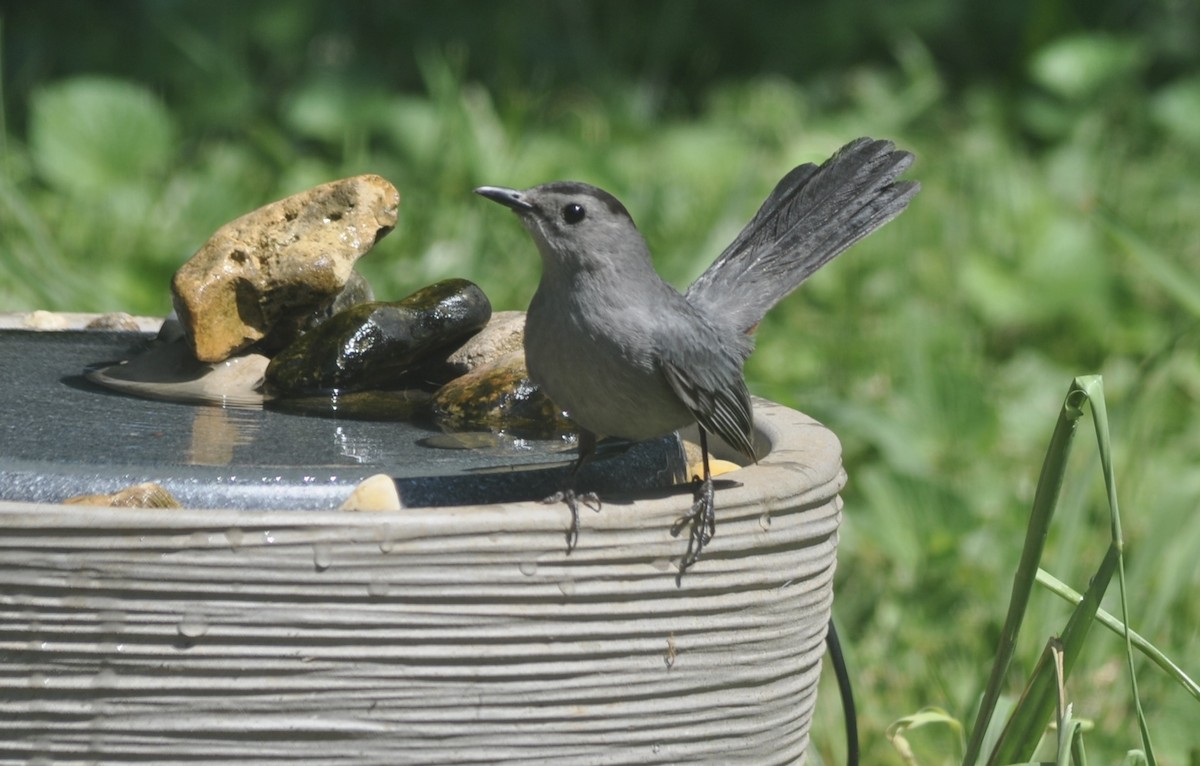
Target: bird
{"type": "Point", "coordinates": [627, 355]}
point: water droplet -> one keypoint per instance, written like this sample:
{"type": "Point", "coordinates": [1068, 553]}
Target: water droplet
{"type": "Point", "coordinates": [387, 542]}
{"type": "Point", "coordinates": [764, 520]}
{"type": "Point", "coordinates": [661, 565]}
{"type": "Point", "coordinates": [268, 537]}
{"type": "Point", "coordinates": [657, 747]}
{"type": "Point", "coordinates": [567, 587]}
{"type": "Point", "coordinates": [378, 588]}
{"type": "Point", "coordinates": [322, 556]}
{"type": "Point", "coordinates": [112, 621]}
{"type": "Point", "coordinates": [197, 540]}
{"type": "Point", "coordinates": [528, 568]}
{"type": "Point", "coordinates": [235, 537]}
{"type": "Point", "coordinates": [192, 626]}
{"type": "Point", "coordinates": [79, 582]}
{"type": "Point", "coordinates": [105, 679]}
{"type": "Point", "coordinates": [38, 680]}
{"type": "Point", "coordinates": [39, 760]}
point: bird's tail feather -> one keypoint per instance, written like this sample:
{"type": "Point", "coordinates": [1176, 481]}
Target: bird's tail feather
{"type": "Point", "coordinates": [813, 214]}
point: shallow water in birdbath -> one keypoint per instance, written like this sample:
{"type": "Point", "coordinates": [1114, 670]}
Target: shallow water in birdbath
{"type": "Point", "coordinates": [62, 435]}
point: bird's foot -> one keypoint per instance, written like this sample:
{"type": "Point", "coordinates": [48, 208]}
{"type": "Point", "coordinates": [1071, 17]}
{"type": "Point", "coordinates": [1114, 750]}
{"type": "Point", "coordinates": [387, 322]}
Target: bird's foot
{"type": "Point", "coordinates": [573, 501]}
{"type": "Point", "coordinates": [702, 520]}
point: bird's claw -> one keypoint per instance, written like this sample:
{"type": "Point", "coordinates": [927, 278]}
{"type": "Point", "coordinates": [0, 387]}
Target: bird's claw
{"type": "Point", "coordinates": [573, 501]}
{"type": "Point", "coordinates": [702, 519]}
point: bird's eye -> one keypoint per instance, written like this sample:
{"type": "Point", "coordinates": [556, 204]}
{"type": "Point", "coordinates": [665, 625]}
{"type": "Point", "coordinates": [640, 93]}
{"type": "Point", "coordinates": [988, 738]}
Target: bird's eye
{"type": "Point", "coordinates": [573, 212]}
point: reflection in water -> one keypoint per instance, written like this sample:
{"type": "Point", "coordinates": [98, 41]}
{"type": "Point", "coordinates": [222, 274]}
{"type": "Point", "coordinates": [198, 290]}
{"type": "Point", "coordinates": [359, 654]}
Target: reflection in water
{"type": "Point", "coordinates": [361, 449]}
{"type": "Point", "coordinates": [236, 436]}
{"type": "Point", "coordinates": [216, 431]}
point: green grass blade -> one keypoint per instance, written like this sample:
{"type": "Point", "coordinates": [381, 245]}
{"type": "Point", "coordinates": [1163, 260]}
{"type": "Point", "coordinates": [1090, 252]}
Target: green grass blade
{"type": "Point", "coordinates": [1070, 739]}
{"type": "Point", "coordinates": [1078, 754]}
{"type": "Point", "coordinates": [898, 730]}
{"type": "Point", "coordinates": [1033, 712]}
{"type": "Point", "coordinates": [1069, 594]}
{"type": "Point", "coordinates": [1095, 389]}
{"type": "Point", "coordinates": [1044, 502]}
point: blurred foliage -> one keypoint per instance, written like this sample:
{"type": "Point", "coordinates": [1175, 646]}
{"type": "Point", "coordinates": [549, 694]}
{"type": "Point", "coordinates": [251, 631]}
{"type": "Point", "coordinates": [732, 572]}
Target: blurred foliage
{"type": "Point", "coordinates": [230, 61]}
{"type": "Point", "coordinates": [1058, 147]}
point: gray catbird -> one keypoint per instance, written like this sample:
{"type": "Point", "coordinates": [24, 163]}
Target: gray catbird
{"type": "Point", "coordinates": [627, 355]}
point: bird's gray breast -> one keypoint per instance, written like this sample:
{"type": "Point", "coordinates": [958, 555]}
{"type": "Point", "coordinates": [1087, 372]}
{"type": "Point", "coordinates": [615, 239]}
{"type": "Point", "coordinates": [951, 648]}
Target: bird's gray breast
{"type": "Point", "coordinates": [596, 353]}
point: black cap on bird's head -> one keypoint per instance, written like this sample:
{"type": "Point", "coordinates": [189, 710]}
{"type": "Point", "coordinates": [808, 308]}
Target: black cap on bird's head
{"type": "Point", "coordinates": [572, 199]}
{"type": "Point", "coordinates": [572, 221]}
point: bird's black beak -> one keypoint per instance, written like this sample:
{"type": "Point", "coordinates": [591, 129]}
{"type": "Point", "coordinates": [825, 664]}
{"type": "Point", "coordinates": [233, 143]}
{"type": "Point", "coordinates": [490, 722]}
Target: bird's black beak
{"type": "Point", "coordinates": [508, 197]}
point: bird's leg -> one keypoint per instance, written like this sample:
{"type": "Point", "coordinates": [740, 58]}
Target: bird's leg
{"type": "Point", "coordinates": [587, 448]}
{"type": "Point", "coordinates": [702, 517]}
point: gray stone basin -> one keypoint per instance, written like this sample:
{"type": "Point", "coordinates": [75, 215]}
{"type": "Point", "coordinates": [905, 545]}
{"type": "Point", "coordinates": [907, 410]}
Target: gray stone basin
{"type": "Point", "coordinates": [62, 435]}
{"type": "Point", "coordinates": [456, 634]}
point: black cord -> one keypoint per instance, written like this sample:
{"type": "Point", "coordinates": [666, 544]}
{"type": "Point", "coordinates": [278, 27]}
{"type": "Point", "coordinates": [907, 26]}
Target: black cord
{"type": "Point", "coordinates": [849, 712]}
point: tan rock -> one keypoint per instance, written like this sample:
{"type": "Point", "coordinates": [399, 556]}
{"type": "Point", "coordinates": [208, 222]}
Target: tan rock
{"type": "Point", "coordinates": [147, 495]}
{"type": "Point", "coordinates": [45, 320]}
{"type": "Point", "coordinates": [285, 258]}
{"type": "Point", "coordinates": [374, 493]}
{"type": "Point", "coordinates": [166, 370]}
{"type": "Point", "coordinates": [504, 334]}
{"type": "Point", "coordinates": [716, 467]}
{"type": "Point", "coordinates": [118, 320]}
{"type": "Point", "coordinates": [695, 460]}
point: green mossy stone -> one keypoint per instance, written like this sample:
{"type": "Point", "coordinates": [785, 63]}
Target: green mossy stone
{"type": "Point", "coordinates": [499, 397]}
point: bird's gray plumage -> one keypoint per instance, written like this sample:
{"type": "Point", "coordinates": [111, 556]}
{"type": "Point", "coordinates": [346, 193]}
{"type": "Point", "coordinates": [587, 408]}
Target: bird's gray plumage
{"type": "Point", "coordinates": [628, 355]}
{"type": "Point", "coordinates": [608, 340]}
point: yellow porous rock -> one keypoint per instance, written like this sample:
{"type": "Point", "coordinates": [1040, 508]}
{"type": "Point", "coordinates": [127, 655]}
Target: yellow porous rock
{"type": "Point", "coordinates": [285, 258]}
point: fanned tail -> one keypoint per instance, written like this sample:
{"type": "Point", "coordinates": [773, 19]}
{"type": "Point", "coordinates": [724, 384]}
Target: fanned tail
{"type": "Point", "coordinates": [813, 214]}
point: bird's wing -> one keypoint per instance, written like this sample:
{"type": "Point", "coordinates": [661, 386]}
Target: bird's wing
{"type": "Point", "coordinates": [720, 404]}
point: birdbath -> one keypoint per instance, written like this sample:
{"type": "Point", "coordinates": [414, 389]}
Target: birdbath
{"type": "Point", "coordinates": [261, 624]}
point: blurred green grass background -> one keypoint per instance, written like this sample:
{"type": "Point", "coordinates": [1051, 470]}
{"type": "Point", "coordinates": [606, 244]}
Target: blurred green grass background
{"type": "Point", "coordinates": [1057, 234]}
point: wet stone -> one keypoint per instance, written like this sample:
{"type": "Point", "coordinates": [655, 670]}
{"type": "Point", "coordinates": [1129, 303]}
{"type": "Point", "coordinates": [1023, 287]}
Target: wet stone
{"type": "Point", "coordinates": [499, 397]}
{"type": "Point", "coordinates": [380, 344]}
{"type": "Point", "coordinates": [286, 258]}
{"type": "Point", "coordinates": [290, 328]}
{"type": "Point", "coordinates": [166, 370]}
